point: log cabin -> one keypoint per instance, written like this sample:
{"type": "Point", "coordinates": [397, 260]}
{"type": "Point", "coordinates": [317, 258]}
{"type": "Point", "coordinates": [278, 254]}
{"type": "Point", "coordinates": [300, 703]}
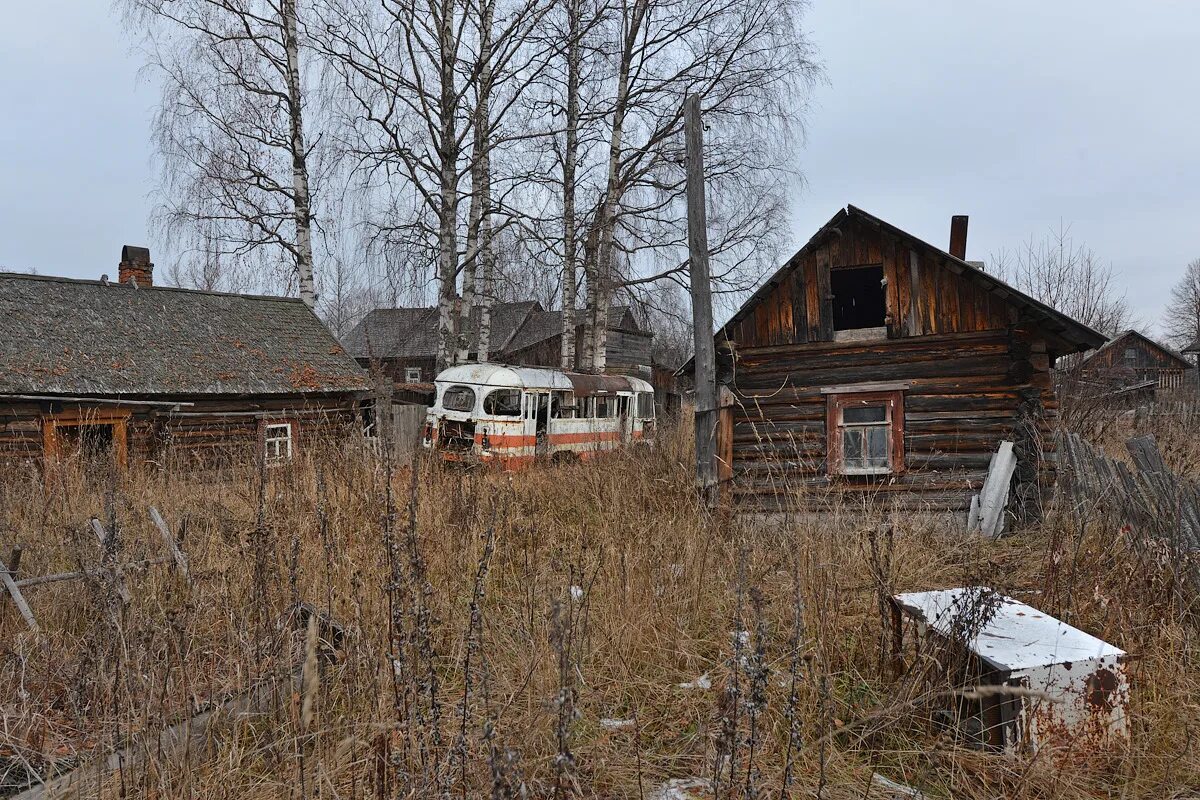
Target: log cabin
{"type": "Point", "coordinates": [873, 364]}
{"type": "Point", "coordinates": [1132, 363]}
{"type": "Point", "coordinates": [130, 373]}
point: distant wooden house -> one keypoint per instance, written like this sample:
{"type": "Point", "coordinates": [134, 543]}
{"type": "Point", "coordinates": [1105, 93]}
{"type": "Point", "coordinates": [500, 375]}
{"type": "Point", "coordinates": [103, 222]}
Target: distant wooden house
{"type": "Point", "coordinates": [132, 373]}
{"type": "Point", "coordinates": [1133, 363]}
{"type": "Point", "coordinates": [875, 364]}
{"type": "Point", "coordinates": [627, 345]}
{"type": "Point", "coordinates": [403, 342]}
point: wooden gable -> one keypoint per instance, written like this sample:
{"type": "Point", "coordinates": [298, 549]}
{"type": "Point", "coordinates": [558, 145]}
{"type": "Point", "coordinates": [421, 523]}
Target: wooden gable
{"type": "Point", "coordinates": [928, 292]}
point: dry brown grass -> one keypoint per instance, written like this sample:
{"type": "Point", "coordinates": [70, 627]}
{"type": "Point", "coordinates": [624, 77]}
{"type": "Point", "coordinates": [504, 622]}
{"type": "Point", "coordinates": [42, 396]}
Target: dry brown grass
{"type": "Point", "coordinates": [664, 587]}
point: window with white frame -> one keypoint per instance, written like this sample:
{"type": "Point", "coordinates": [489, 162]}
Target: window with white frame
{"type": "Point", "coordinates": [277, 441]}
{"type": "Point", "coordinates": [412, 374]}
{"type": "Point", "coordinates": [866, 433]}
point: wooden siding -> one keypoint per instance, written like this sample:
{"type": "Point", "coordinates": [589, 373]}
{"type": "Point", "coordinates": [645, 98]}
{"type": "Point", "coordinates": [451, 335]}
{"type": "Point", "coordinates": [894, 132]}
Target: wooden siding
{"type": "Point", "coordinates": [925, 295]}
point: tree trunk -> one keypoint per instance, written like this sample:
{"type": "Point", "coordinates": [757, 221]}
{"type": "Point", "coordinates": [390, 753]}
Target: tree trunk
{"type": "Point", "coordinates": [448, 193]}
{"type": "Point", "coordinates": [591, 297]}
{"type": "Point", "coordinates": [483, 181]}
{"type": "Point", "coordinates": [570, 289]}
{"type": "Point", "coordinates": [302, 200]}
{"type": "Point", "coordinates": [607, 218]}
{"type": "Point", "coordinates": [470, 274]}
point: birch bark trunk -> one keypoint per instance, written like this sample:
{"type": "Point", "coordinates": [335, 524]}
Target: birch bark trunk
{"type": "Point", "coordinates": [302, 200]}
{"type": "Point", "coordinates": [448, 192]}
{"type": "Point", "coordinates": [483, 179]}
{"type": "Point", "coordinates": [606, 219]}
{"type": "Point", "coordinates": [570, 289]}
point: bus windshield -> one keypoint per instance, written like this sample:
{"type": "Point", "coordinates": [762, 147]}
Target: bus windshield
{"type": "Point", "coordinates": [458, 398]}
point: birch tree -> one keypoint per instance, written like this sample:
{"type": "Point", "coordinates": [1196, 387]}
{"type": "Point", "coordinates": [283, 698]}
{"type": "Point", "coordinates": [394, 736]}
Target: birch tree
{"type": "Point", "coordinates": [748, 61]}
{"type": "Point", "coordinates": [427, 87]}
{"type": "Point", "coordinates": [229, 131]}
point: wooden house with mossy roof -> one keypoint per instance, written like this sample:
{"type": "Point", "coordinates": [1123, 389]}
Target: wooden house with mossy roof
{"type": "Point", "coordinates": [125, 372]}
{"type": "Point", "coordinates": [875, 365]}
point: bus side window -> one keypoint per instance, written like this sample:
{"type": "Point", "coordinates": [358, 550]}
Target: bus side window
{"type": "Point", "coordinates": [623, 406]}
{"type": "Point", "coordinates": [601, 407]}
{"type": "Point", "coordinates": [646, 405]}
{"type": "Point", "coordinates": [562, 405]}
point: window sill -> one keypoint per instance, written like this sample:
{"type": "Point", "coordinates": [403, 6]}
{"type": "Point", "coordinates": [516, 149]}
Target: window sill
{"type": "Point", "coordinates": [860, 335]}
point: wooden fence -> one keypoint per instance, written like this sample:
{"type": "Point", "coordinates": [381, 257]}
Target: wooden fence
{"type": "Point", "coordinates": [407, 422]}
{"type": "Point", "coordinates": [1158, 510]}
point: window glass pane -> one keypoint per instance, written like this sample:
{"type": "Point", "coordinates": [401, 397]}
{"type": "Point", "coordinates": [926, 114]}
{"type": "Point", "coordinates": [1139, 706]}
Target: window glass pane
{"type": "Point", "coordinates": [857, 415]}
{"type": "Point", "coordinates": [852, 448]}
{"type": "Point", "coordinates": [503, 403]}
{"type": "Point", "coordinates": [877, 446]}
{"type": "Point", "coordinates": [458, 398]}
{"type": "Point", "coordinates": [646, 405]}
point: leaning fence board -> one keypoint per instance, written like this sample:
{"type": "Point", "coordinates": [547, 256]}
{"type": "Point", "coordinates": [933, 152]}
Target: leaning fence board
{"type": "Point", "coordinates": [993, 498]}
{"type": "Point", "coordinates": [181, 559]}
{"type": "Point", "coordinates": [18, 599]}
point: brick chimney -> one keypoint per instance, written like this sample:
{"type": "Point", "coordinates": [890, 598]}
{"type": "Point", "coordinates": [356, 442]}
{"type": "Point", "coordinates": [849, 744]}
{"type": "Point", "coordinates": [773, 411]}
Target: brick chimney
{"type": "Point", "coordinates": [135, 266]}
{"type": "Point", "coordinates": [958, 236]}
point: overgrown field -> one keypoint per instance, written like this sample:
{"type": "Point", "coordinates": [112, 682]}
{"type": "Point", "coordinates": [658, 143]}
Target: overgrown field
{"type": "Point", "coordinates": [579, 631]}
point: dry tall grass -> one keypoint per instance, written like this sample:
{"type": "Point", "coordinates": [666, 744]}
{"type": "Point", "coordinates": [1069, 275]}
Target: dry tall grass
{"type": "Point", "coordinates": [548, 633]}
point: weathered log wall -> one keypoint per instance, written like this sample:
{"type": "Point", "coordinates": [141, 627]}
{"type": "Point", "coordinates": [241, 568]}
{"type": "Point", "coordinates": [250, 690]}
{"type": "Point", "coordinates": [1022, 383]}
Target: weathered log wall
{"type": "Point", "coordinates": [966, 393]}
{"type": "Point", "coordinates": [207, 433]}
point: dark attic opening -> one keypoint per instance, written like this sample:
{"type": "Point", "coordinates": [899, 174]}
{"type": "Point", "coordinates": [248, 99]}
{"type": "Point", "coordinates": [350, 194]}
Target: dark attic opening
{"type": "Point", "coordinates": [859, 299]}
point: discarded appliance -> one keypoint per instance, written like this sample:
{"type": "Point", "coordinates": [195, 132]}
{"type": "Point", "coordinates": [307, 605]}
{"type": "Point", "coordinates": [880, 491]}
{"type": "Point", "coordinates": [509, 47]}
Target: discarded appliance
{"type": "Point", "coordinates": [1029, 680]}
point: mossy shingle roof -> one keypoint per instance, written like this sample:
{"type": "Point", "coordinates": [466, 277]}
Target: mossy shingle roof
{"type": "Point", "coordinates": [60, 336]}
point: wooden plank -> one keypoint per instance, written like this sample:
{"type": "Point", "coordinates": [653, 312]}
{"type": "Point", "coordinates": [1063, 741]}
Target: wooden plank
{"type": "Point", "coordinates": [180, 557]}
{"type": "Point", "coordinates": [915, 323]}
{"type": "Point", "coordinates": [14, 591]}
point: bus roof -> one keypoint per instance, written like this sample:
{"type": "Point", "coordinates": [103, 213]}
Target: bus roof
{"type": "Point", "coordinates": [489, 374]}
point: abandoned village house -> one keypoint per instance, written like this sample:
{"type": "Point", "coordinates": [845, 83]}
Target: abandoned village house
{"type": "Point", "coordinates": [1133, 365]}
{"type": "Point", "coordinates": [403, 341]}
{"type": "Point", "coordinates": [875, 363]}
{"type": "Point", "coordinates": [137, 373]}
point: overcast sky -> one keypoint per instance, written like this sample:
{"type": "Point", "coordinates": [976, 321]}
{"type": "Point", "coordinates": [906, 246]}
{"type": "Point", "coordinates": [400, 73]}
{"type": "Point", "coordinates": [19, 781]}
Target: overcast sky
{"type": "Point", "coordinates": [1019, 114]}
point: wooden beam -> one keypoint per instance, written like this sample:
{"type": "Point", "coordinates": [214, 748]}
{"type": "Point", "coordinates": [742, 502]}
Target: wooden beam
{"type": "Point", "coordinates": [701, 284]}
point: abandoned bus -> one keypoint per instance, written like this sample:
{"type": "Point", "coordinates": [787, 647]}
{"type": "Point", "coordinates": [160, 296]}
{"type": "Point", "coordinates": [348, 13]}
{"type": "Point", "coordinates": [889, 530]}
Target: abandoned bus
{"type": "Point", "coordinates": [512, 415]}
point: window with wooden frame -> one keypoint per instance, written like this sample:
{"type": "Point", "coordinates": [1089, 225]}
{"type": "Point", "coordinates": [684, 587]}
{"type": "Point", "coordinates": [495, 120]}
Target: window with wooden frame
{"type": "Point", "coordinates": [412, 374]}
{"type": "Point", "coordinates": [92, 433]}
{"type": "Point", "coordinates": [865, 432]}
{"type": "Point", "coordinates": [278, 444]}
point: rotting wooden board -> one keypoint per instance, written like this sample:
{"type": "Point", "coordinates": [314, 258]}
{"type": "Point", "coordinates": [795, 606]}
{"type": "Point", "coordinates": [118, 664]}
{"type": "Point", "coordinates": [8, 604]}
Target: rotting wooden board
{"type": "Point", "coordinates": [14, 591]}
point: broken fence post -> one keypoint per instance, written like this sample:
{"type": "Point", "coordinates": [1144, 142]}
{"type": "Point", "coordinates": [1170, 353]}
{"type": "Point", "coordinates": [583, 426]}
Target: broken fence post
{"type": "Point", "coordinates": [177, 553]}
{"type": "Point", "coordinates": [114, 571]}
{"type": "Point", "coordinates": [14, 591]}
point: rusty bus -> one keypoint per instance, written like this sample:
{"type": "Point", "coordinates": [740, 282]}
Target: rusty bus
{"type": "Point", "coordinates": [513, 415]}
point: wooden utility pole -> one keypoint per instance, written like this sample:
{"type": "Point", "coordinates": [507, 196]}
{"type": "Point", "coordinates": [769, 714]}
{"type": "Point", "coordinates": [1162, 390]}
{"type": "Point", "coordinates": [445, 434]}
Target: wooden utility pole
{"type": "Point", "coordinates": [702, 322]}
